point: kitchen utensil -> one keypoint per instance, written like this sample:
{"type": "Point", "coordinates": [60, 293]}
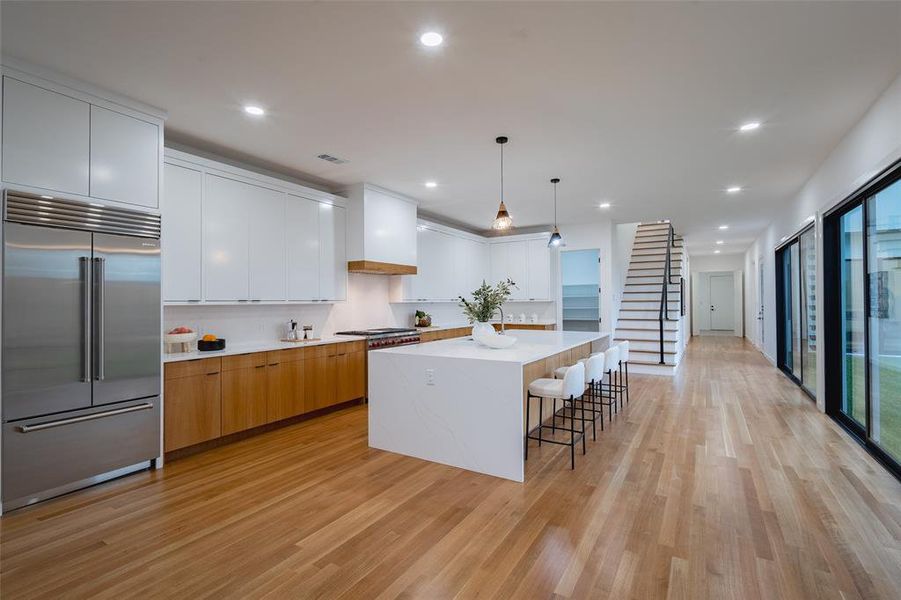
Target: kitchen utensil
{"type": "Point", "coordinates": [307, 332]}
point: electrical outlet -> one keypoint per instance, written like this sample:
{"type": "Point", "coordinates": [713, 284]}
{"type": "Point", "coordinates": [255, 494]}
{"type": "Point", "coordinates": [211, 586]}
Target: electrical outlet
{"type": "Point", "coordinates": [430, 376]}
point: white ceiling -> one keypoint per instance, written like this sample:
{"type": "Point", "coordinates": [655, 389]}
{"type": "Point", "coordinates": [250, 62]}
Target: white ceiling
{"type": "Point", "coordinates": [633, 103]}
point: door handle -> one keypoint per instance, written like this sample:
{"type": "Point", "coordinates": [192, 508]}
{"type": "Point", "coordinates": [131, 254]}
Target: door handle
{"type": "Point", "coordinates": [99, 301]}
{"type": "Point", "coordinates": [83, 418]}
{"type": "Point", "coordinates": [84, 267]}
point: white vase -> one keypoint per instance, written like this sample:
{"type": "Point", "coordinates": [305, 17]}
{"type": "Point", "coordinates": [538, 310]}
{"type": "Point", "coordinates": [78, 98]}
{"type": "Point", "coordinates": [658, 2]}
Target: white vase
{"type": "Point", "coordinates": [479, 329]}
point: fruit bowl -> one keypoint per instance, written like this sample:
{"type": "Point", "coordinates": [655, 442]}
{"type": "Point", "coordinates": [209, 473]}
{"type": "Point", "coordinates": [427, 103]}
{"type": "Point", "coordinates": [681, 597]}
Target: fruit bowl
{"type": "Point", "coordinates": [179, 342]}
{"type": "Point", "coordinates": [211, 345]}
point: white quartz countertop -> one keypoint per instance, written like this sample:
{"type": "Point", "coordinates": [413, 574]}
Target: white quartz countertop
{"type": "Point", "coordinates": [468, 324]}
{"type": "Point", "coordinates": [251, 347]}
{"type": "Point", "coordinates": [531, 345]}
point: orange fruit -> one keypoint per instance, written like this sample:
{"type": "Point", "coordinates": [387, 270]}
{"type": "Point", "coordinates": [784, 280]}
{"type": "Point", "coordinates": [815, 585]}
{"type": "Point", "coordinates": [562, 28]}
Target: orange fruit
{"type": "Point", "coordinates": [209, 338]}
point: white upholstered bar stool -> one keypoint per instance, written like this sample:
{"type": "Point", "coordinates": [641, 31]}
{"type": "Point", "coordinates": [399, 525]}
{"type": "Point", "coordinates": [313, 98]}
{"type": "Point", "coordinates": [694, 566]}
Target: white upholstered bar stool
{"type": "Point", "coordinates": [568, 389]}
{"type": "Point", "coordinates": [610, 390]}
{"type": "Point", "coordinates": [594, 372]}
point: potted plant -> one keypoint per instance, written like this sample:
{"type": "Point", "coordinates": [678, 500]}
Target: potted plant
{"type": "Point", "coordinates": [485, 301]}
{"type": "Point", "coordinates": [423, 319]}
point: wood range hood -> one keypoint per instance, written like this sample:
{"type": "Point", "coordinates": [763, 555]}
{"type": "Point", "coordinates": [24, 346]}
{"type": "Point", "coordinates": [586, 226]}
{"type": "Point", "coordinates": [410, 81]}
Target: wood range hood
{"type": "Point", "coordinates": [374, 267]}
{"type": "Point", "coordinates": [381, 231]}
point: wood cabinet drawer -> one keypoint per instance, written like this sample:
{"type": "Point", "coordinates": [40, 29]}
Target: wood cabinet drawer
{"type": "Point", "coordinates": [244, 398]}
{"type": "Point", "coordinates": [285, 356]}
{"type": "Point", "coordinates": [243, 361]}
{"type": "Point", "coordinates": [320, 351]}
{"type": "Point", "coordinates": [188, 368]}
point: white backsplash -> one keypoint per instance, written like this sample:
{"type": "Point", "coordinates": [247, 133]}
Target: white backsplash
{"type": "Point", "coordinates": [367, 306]}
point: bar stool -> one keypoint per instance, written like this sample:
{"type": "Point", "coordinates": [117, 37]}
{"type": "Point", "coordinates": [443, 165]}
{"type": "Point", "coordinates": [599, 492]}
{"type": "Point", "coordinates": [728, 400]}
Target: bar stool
{"type": "Point", "coordinates": [624, 368]}
{"type": "Point", "coordinates": [594, 371]}
{"type": "Point", "coordinates": [610, 390]}
{"type": "Point", "coordinates": [568, 389]}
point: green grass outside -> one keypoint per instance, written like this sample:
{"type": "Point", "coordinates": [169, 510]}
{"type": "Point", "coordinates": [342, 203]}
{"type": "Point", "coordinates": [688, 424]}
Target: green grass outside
{"type": "Point", "coordinates": [889, 399]}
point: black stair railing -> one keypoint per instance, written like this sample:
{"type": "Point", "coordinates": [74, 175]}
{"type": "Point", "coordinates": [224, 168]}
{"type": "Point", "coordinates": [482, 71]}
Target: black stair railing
{"type": "Point", "coordinates": [663, 315]}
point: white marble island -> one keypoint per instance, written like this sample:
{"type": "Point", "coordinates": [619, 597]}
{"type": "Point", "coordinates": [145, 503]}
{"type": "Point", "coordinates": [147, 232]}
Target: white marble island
{"type": "Point", "coordinates": [459, 403]}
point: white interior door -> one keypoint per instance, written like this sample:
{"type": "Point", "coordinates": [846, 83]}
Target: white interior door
{"type": "Point", "coordinates": [721, 289]}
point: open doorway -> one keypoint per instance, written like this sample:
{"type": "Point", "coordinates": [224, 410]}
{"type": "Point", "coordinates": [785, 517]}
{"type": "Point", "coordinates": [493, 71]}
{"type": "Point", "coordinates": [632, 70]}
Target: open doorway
{"type": "Point", "coordinates": [580, 279]}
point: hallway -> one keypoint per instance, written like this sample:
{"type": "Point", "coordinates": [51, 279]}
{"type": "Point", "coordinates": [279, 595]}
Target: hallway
{"type": "Point", "coordinates": [724, 482]}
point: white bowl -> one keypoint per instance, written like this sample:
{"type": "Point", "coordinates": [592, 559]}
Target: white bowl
{"type": "Point", "coordinates": [493, 340]}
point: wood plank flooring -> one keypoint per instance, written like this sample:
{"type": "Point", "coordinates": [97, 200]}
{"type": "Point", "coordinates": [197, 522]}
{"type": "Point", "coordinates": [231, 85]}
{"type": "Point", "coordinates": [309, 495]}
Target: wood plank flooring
{"type": "Point", "coordinates": [724, 482]}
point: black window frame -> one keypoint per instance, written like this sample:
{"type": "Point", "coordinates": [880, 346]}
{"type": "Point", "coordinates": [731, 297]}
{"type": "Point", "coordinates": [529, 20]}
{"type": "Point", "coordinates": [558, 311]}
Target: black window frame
{"type": "Point", "coordinates": [781, 249]}
{"type": "Point", "coordinates": [832, 338]}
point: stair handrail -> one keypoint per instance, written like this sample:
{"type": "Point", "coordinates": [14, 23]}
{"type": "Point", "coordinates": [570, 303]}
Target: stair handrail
{"type": "Point", "coordinates": [664, 288]}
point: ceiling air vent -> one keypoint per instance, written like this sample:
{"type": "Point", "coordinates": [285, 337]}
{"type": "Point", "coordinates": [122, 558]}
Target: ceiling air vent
{"type": "Point", "coordinates": [332, 159]}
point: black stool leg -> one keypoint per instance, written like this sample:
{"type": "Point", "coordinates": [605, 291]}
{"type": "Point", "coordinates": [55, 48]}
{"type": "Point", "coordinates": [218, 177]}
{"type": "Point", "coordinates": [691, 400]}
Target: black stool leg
{"type": "Point", "coordinates": [627, 381]}
{"type": "Point", "coordinates": [582, 420]}
{"type": "Point", "coordinates": [554, 418]}
{"type": "Point", "coordinates": [540, 418]}
{"type": "Point", "coordinates": [572, 432]}
{"type": "Point", "coordinates": [528, 404]}
{"type": "Point", "coordinates": [599, 397]}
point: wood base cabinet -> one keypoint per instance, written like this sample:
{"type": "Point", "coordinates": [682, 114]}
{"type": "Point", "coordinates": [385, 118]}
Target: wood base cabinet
{"type": "Point", "coordinates": [244, 392]}
{"type": "Point", "coordinates": [210, 398]}
{"type": "Point", "coordinates": [192, 391]}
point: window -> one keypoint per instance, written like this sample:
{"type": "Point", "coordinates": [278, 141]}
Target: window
{"type": "Point", "coordinates": [796, 309]}
{"type": "Point", "coordinates": [862, 268]}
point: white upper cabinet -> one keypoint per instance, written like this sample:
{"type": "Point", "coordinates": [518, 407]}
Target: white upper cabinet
{"type": "Point", "coordinates": [470, 265]}
{"type": "Point", "coordinates": [124, 158]}
{"type": "Point", "coordinates": [226, 239]}
{"type": "Point", "coordinates": [266, 246]}
{"type": "Point", "coordinates": [509, 260]}
{"type": "Point", "coordinates": [46, 138]}
{"type": "Point", "coordinates": [539, 270]}
{"type": "Point", "coordinates": [181, 251]}
{"type": "Point", "coordinates": [302, 228]}
{"type": "Point", "coordinates": [332, 253]}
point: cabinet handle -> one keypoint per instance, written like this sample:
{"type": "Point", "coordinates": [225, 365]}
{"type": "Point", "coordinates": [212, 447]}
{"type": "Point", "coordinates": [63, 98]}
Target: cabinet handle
{"type": "Point", "coordinates": [213, 373]}
{"type": "Point", "coordinates": [274, 364]}
{"type": "Point", "coordinates": [259, 366]}
{"type": "Point", "coordinates": [193, 300]}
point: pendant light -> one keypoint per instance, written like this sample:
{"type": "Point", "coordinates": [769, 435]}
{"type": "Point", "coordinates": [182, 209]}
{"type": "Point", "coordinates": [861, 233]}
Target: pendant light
{"type": "Point", "coordinates": [556, 239]}
{"type": "Point", "coordinates": [503, 220]}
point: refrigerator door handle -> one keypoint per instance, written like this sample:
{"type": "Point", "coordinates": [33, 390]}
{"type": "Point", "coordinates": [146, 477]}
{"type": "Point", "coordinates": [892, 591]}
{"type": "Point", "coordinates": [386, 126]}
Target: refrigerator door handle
{"type": "Point", "coordinates": [84, 266]}
{"type": "Point", "coordinates": [81, 419]}
{"type": "Point", "coordinates": [99, 297]}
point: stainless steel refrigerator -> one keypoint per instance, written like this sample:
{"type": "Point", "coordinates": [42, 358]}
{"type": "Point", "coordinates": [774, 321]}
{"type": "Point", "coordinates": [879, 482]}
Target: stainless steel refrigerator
{"type": "Point", "coordinates": [81, 345]}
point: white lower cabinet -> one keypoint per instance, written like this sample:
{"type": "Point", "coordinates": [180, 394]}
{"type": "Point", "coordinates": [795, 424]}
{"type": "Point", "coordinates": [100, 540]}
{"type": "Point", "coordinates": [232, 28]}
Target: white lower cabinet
{"type": "Point", "coordinates": [332, 253]}
{"type": "Point", "coordinates": [181, 251]}
{"type": "Point", "coordinates": [302, 229]}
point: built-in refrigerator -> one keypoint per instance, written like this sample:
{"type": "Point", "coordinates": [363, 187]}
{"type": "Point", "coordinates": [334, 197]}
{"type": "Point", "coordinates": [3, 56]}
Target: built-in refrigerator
{"type": "Point", "coordinates": [80, 345]}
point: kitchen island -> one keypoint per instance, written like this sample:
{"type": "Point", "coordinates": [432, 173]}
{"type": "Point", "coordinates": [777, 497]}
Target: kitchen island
{"type": "Point", "coordinates": [459, 403]}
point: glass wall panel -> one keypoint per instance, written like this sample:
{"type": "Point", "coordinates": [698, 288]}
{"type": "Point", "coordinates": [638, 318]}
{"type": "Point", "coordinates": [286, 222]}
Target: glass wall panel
{"type": "Point", "coordinates": [785, 271]}
{"type": "Point", "coordinates": [852, 314]}
{"type": "Point", "coordinates": [884, 275]}
{"type": "Point", "coordinates": [795, 311]}
{"type": "Point", "coordinates": [808, 323]}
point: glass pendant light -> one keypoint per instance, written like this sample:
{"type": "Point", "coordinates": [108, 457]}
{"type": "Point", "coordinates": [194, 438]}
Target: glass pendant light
{"type": "Point", "coordinates": [556, 239]}
{"type": "Point", "coordinates": [503, 220]}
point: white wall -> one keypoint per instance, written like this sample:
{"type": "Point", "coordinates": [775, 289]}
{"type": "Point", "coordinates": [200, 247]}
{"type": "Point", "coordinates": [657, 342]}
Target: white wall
{"type": "Point", "coordinates": [872, 145]}
{"type": "Point", "coordinates": [623, 239]}
{"type": "Point", "coordinates": [717, 262]}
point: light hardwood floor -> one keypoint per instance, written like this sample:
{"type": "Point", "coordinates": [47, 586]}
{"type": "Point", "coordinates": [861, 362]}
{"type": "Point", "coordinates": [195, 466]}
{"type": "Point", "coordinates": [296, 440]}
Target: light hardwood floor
{"type": "Point", "coordinates": [723, 483]}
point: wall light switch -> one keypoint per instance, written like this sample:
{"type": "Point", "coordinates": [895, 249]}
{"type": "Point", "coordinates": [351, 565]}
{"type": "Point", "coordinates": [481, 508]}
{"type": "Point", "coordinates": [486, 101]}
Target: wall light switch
{"type": "Point", "coordinates": [430, 376]}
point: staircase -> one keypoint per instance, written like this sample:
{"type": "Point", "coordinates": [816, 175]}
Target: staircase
{"type": "Point", "coordinates": [639, 319]}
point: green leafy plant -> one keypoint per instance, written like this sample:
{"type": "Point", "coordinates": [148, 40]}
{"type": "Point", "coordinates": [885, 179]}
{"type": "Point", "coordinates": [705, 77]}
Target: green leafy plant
{"type": "Point", "coordinates": [486, 300]}
{"type": "Point", "coordinates": [421, 314]}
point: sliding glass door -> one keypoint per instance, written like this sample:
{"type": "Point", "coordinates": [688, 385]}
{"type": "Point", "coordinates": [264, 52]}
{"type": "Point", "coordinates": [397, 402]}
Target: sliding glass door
{"type": "Point", "coordinates": [796, 309]}
{"type": "Point", "coordinates": [862, 248]}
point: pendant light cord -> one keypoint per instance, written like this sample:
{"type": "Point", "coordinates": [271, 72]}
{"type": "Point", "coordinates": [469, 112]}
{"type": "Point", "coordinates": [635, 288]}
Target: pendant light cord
{"type": "Point", "coordinates": [555, 205]}
{"type": "Point", "coordinates": [502, 172]}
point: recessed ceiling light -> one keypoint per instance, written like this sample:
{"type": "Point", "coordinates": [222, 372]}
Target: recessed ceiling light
{"type": "Point", "coordinates": [723, 227]}
{"type": "Point", "coordinates": [431, 39]}
{"type": "Point", "coordinates": [715, 252]}
{"type": "Point", "coordinates": [256, 111]}
{"type": "Point", "coordinates": [604, 205]}
{"type": "Point", "coordinates": [749, 126]}
{"type": "Point", "coordinates": [720, 242]}
{"type": "Point", "coordinates": [431, 184]}
{"type": "Point", "coordinates": [734, 189]}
